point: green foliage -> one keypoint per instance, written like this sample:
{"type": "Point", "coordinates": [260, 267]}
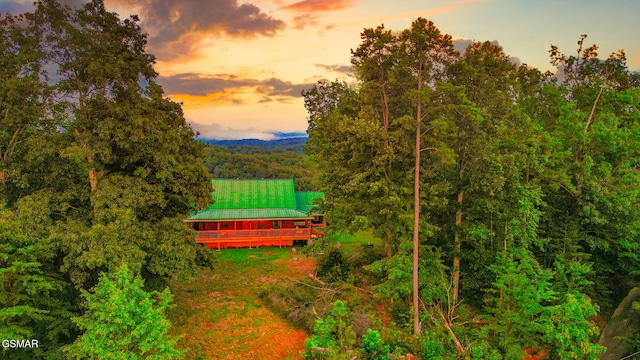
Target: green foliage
{"type": "Point", "coordinates": [396, 275]}
{"type": "Point", "coordinates": [333, 337]}
{"type": "Point", "coordinates": [520, 310]}
{"type": "Point", "coordinates": [36, 302]}
{"type": "Point", "coordinates": [21, 279]}
{"type": "Point", "coordinates": [319, 244]}
{"type": "Point", "coordinates": [117, 168]}
{"type": "Point", "coordinates": [570, 332]}
{"type": "Point", "coordinates": [527, 185]}
{"type": "Point", "coordinates": [122, 321]}
{"type": "Point", "coordinates": [333, 266]}
{"type": "Point", "coordinates": [24, 94]}
{"type": "Point", "coordinates": [97, 167]}
{"type": "Point", "coordinates": [245, 163]}
{"type": "Point", "coordinates": [633, 340]}
{"type": "Point", "coordinates": [373, 347]}
{"type": "Point", "coordinates": [255, 146]}
{"type": "Point", "coordinates": [432, 346]}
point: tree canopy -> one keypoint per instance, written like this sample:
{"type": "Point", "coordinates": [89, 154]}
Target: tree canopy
{"type": "Point", "coordinates": [524, 185]}
{"type": "Point", "coordinates": [98, 168]}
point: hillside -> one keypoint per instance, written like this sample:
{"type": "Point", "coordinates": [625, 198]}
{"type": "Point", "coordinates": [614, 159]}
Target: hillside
{"type": "Point", "coordinates": [278, 159]}
{"type": "Point", "coordinates": [221, 313]}
{"type": "Point", "coordinates": [257, 146]}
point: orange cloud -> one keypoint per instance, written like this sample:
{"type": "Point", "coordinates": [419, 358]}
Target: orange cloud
{"type": "Point", "coordinates": [318, 5]}
{"type": "Point", "coordinates": [198, 91]}
{"type": "Point", "coordinates": [304, 20]}
{"type": "Point", "coordinates": [194, 102]}
{"type": "Point", "coordinates": [177, 28]}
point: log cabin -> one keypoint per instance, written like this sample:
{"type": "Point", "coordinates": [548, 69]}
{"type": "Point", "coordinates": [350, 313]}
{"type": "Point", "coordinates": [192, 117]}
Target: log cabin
{"type": "Point", "coordinates": [254, 213]}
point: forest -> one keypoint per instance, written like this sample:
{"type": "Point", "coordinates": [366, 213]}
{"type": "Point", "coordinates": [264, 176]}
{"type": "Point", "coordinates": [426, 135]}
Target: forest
{"type": "Point", "coordinates": [261, 162]}
{"type": "Point", "coordinates": [98, 170]}
{"type": "Point", "coordinates": [497, 205]}
{"type": "Point", "coordinates": [506, 198]}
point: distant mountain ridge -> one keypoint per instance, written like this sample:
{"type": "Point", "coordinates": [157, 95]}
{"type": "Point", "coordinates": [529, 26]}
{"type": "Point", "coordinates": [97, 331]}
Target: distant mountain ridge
{"type": "Point", "coordinates": [293, 144]}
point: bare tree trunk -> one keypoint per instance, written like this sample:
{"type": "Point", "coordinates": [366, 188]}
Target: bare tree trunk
{"type": "Point", "coordinates": [452, 334]}
{"type": "Point", "coordinates": [458, 243]}
{"type": "Point", "coordinates": [93, 172]}
{"type": "Point", "coordinates": [416, 214]}
{"type": "Point", "coordinates": [2, 187]}
{"type": "Point", "coordinates": [93, 179]}
{"type": "Point", "coordinates": [593, 109]}
{"type": "Point", "coordinates": [94, 175]}
{"type": "Point", "coordinates": [385, 108]}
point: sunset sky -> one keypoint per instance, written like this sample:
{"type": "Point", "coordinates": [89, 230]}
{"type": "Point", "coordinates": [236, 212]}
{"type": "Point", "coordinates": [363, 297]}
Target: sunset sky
{"type": "Point", "coordinates": [239, 67]}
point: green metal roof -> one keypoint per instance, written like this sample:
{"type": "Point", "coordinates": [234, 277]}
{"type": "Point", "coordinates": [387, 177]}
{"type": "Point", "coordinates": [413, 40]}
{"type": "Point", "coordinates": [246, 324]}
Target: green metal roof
{"type": "Point", "coordinates": [257, 199]}
{"type": "Point", "coordinates": [245, 214]}
{"type": "Point", "coordinates": [305, 199]}
{"type": "Point", "coordinates": [253, 194]}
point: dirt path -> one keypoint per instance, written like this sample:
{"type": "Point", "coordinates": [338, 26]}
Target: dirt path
{"type": "Point", "coordinates": [221, 313]}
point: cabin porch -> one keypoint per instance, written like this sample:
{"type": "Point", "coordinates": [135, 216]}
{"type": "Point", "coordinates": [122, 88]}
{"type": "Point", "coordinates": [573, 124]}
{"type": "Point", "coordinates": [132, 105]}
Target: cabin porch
{"type": "Point", "coordinates": [253, 233]}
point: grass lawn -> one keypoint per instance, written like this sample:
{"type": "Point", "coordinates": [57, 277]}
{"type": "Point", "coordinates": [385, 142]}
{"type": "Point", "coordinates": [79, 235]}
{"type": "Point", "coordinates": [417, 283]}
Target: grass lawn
{"type": "Point", "coordinates": [220, 313]}
{"type": "Point", "coordinates": [349, 243]}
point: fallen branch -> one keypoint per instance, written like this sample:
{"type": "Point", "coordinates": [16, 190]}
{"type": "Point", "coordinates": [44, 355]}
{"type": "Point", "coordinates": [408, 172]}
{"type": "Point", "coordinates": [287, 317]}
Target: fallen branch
{"type": "Point", "coordinates": [315, 278]}
{"type": "Point", "coordinates": [456, 342]}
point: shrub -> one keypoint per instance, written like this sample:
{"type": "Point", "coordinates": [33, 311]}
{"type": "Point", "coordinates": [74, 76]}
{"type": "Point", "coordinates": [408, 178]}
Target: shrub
{"type": "Point", "coordinates": [373, 347]}
{"type": "Point", "coordinates": [332, 266]}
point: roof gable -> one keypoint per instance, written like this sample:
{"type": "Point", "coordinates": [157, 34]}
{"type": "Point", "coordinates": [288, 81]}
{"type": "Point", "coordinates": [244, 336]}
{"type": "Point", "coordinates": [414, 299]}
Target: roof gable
{"type": "Point", "coordinates": [306, 200]}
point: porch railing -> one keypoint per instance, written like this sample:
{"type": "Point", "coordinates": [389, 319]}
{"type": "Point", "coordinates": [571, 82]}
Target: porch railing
{"type": "Point", "coordinates": [274, 234]}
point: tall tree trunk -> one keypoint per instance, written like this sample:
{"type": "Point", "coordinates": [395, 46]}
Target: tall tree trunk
{"type": "Point", "coordinates": [456, 257]}
{"type": "Point", "coordinates": [593, 109]}
{"type": "Point", "coordinates": [2, 187]}
{"type": "Point", "coordinates": [416, 213]}
{"type": "Point", "coordinates": [93, 172]}
{"type": "Point", "coordinates": [385, 108]}
{"type": "Point", "coordinates": [93, 179]}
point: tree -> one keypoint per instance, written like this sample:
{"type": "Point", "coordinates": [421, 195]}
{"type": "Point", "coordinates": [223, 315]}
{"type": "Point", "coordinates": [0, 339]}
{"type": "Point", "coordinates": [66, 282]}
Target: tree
{"type": "Point", "coordinates": [427, 54]}
{"type": "Point", "coordinates": [527, 186]}
{"type": "Point", "coordinates": [334, 338]}
{"type": "Point", "coordinates": [22, 280]}
{"type": "Point", "coordinates": [122, 321]}
{"type": "Point", "coordinates": [97, 169]}
{"type": "Point", "coordinates": [373, 61]}
{"type": "Point", "coordinates": [100, 59]}
{"type": "Point", "coordinates": [571, 333]}
{"type": "Point", "coordinates": [133, 157]}
{"type": "Point", "coordinates": [34, 299]}
{"type": "Point", "coordinates": [593, 218]}
{"type": "Point", "coordinates": [23, 92]}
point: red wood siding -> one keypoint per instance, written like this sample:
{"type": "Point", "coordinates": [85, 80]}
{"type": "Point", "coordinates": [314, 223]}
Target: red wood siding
{"type": "Point", "coordinates": [252, 238]}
